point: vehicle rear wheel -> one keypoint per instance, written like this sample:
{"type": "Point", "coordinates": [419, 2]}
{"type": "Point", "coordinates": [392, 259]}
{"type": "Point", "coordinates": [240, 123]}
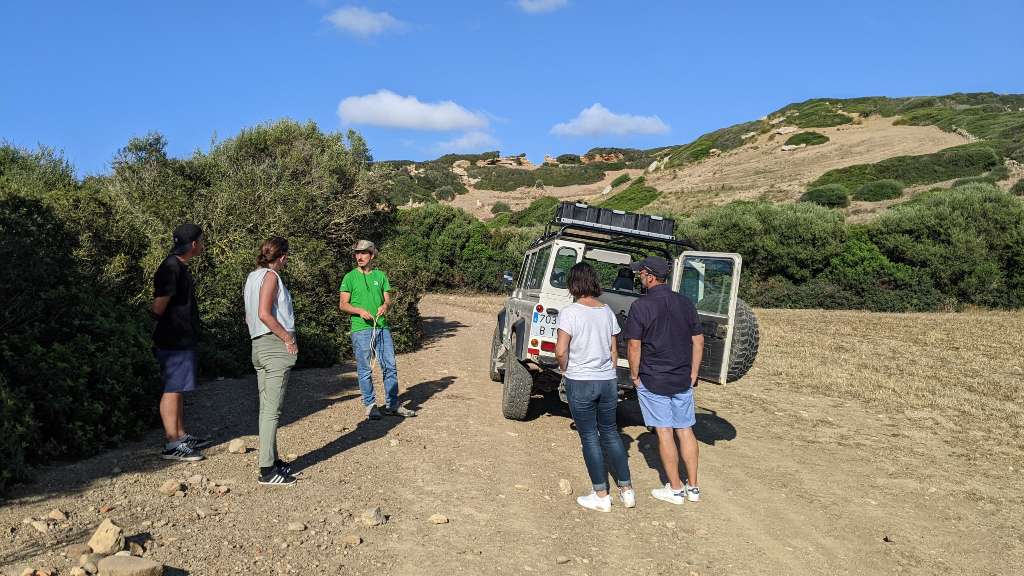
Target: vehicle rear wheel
{"type": "Point", "coordinates": [517, 386]}
{"type": "Point", "coordinates": [746, 337]}
{"type": "Point", "coordinates": [496, 369]}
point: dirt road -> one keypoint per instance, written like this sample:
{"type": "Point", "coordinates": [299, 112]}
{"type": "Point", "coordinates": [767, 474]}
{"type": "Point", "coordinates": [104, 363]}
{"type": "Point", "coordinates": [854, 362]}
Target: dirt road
{"type": "Point", "coordinates": [793, 483]}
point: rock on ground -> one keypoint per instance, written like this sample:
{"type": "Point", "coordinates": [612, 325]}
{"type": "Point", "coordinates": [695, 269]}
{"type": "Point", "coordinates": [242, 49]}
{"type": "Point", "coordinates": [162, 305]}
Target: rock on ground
{"type": "Point", "coordinates": [108, 538]}
{"type": "Point", "coordinates": [438, 518]}
{"type": "Point", "coordinates": [237, 446]}
{"type": "Point", "coordinates": [77, 550]}
{"type": "Point", "coordinates": [373, 517]}
{"type": "Point", "coordinates": [129, 566]}
{"type": "Point", "coordinates": [171, 487]}
{"type": "Point", "coordinates": [296, 526]}
{"type": "Point", "coordinates": [565, 487]}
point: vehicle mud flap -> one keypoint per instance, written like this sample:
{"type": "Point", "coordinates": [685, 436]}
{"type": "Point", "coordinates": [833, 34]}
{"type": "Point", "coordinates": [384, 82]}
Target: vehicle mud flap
{"type": "Point", "coordinates": [516, 388]}
{"type": "Point", "coordinates": [496, 366]}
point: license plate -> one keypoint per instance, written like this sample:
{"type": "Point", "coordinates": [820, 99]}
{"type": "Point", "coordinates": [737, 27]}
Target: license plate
{"type": "Point", "coordinates": [544, 326]}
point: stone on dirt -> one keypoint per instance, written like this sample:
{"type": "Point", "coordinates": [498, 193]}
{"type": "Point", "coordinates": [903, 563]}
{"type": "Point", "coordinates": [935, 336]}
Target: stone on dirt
{"type": "Point", "coordinates": [41, 526]}
{"type": "Point", "coordinates": [296, 526]}
{"type": "Point", "coordinates": [562, 560]}
{"type": "Point", "coordinates": [237, 446]}
{"type": "Point", "coordinates": [86, 559]}
{"type": "Point", "coordinates": [171, 487]}
{"type": "Point", "coordinates": [196, 480]}
{"type": "Point", "coordinates": [136, 549]}
{"type": "Point", "coordinates": [222, 490]}
{"type": "Point", "coordinates": [77, 550]}
{"type": "Point", "coordinates": [107, 539]}
{"type": "Point", "coordinates": [78, 571]}
{"type": "Point", "coordinates": [129, 566]}
{"type": "Point", "coordinates": [565, 487]}
{"type": "Point", "coordinates": [57, 516]}
{"type": "Point", "coordinates": [373, 517]}
{"type": "Point", "coordinates": [351, 540]}
{"type": "Point", "coordinates": [438, 518]}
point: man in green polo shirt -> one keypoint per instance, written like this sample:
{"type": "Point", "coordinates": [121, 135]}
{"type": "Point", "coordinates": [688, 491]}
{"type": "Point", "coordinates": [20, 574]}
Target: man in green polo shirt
{"type": "Point", "coordinates": [364, 296]}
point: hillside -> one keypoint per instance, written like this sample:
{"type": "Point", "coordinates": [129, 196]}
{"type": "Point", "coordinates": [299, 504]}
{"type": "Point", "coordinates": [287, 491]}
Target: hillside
{"type": "Point", "coordinates": [914, 144]}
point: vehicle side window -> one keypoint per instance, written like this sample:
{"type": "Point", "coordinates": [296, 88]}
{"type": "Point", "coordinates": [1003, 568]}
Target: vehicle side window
{"type": "Point", "coordinates": [540, 265]}
{"type": "Point", "coordinates": [564, 259]}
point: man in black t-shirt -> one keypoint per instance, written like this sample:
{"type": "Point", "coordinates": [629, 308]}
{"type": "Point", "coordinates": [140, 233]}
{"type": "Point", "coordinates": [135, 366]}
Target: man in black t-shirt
{"type": "Point", "coordinates": [175, 338]}
{"type": "Point", "coordinates": [666, 343]}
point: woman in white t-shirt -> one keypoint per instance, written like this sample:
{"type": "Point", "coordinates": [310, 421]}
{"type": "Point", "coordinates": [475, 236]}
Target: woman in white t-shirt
{"type": "Point", "coordinates": [587, 354]}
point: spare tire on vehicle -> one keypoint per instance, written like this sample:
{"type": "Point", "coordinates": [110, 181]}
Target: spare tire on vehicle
{"type": "Point", "coordinates": [746, 337]}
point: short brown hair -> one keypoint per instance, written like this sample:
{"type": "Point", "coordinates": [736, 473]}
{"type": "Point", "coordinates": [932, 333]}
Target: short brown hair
{"type": "Point", "coordinates": [583, 281]}
{"type": "Point", "coordinates": [271, 249]}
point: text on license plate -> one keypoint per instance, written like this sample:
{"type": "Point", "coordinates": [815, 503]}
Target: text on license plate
{"type": "Point", "coordinates": [544, 325]}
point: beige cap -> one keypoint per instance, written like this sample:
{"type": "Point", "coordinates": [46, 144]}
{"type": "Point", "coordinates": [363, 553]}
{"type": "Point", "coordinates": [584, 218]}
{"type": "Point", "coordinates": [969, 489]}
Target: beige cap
{"type": "Point", "coordinates": [364, 246]}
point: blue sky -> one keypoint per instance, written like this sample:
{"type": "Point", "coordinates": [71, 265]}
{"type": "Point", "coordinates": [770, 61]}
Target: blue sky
{"type": "Point", "coordinates": [418, 79]}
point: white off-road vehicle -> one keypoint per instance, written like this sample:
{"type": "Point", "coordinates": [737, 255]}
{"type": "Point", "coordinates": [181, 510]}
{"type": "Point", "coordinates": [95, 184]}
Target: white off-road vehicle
{"type": "Point", "coordinates": [523, 349]}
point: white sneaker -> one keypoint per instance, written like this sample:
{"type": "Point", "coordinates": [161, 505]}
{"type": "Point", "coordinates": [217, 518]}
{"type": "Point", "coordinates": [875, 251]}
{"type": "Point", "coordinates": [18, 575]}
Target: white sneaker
{"type": "Point", "coordinates": [594, 502]}
{"type": "Point", "coordinates": [692, 492]}
{"type": "Point", "coordinates": [669, 495]}
{"type": "Point", "coordinates": [628, 498]}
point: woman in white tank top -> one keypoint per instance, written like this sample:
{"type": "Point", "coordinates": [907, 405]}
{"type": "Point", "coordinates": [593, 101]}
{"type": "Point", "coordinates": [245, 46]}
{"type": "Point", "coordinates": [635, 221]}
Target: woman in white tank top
{"type": "Point", "coordinates": [271, 321]}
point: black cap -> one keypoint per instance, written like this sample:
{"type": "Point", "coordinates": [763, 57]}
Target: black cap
{"type": "Point", "coordinates": [185, 235]}
{"type": "Point", "coordinates": [655, 265]}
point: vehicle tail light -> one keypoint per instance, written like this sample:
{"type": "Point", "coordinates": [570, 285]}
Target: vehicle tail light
{"type": "Point", "coordinates": [547, 346]}
{"type": "Point", "coordinates": [532, 351]}
{"type": "Point", "coordinates": [533, 342]}
{"type": "Point", "coordinates": [540, 308]}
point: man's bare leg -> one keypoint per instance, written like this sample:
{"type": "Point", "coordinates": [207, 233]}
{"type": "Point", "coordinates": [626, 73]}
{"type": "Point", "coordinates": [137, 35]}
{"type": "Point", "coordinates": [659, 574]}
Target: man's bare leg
{"type": "Point", "coordinates": [690, 451]}
{"type": "Point", "coordinates": [181, 415]}
{"type": "Point", "coordinates": [669, 457]}
{"type": "Point", "coordinates": [170, 414]}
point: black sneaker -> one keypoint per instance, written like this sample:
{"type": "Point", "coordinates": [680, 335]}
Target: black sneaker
{"type": "Point", "coordinates": [183, 453]}
{"type": "Point", "coordinates": [276, 478]}
{"type": "Point", "coordinates": [196, 442]}
{"type": "Point", "coordinates": [284, 467]}
{"type": "Point", "coordinates": [401, 412]}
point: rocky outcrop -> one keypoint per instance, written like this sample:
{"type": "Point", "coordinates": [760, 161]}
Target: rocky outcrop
{"type": "Point", "coordinates": [607, 158]}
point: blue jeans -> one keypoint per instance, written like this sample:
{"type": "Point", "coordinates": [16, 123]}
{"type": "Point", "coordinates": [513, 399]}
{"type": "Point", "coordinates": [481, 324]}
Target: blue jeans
{"type": "Point", "coordinates": [592, 404]}
{"type": "Point", "coordinates": [384, 350]}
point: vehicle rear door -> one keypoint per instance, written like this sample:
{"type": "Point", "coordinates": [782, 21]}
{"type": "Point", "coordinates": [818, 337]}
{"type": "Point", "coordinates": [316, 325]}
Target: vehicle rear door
{"type": "Point", "coordinates": [711, 280]}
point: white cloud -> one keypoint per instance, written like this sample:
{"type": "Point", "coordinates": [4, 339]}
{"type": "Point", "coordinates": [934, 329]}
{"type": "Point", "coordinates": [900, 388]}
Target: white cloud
{"type": "Point", "coordinates": [539, 6]}
{"type": "Point", "coordinates": [385, 108]}
{"type": "Point", "coordinates": [475, 141]}
{"type": "Point", "coordinates": [362, 22]}
{"type": "Point", "coordinates": [598, 120]}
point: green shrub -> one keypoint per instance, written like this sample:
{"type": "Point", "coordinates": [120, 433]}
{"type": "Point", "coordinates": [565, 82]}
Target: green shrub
{"type": "Point", "coordinates": [633, 198]}
{"type": "Point", "coordinates": [500, 207]}
{"type": "Point", "coordinates": [505, 179]}
{"type": "Point", "coordinates": [829, 195]}
{"type": "Point", "coordinates": [538, 213]}
{"type": "Point", "coordinates": [956, 162]}
{"type": "Point", "coordinates": [807, 139]}
{"type": "Point", "coordinates": [723, 139]}
{"type": "Point", "coordinates": [620, 179]}
{"type": "Point", "coordinates": [795, 241]}
{"type": "Point", "coordinates": [879, 190]}
{"type": "Point", "coordinates": [1018, 188]}
{"type": "Point", "coordinates": [969, 240]}
{"type": "Point", "coordinates": [568, 159]}
{"type": "Point", "coordinates": [814, 114]}
{"type": "Point", "coordinates": [445, 193]}
{"type": "Point", "coordinates": [972, 180]}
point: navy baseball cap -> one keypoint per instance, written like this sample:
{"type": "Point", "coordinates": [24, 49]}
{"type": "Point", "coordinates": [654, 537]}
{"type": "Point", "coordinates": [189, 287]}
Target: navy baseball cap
{"type": "Point", "coordinates": [185, 235]}
{"type": "Point", "coordinates": [655, 265]}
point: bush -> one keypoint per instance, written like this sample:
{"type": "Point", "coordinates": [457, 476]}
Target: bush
{"type": "Point", "coordinates": [445, 193]}
{"type": "Point", "coordinates": [968, 240]}
{"type": "Point", "coordinates": [505, 179]}
{"type": "Point", "coordinates": [807, 138]}
{"type": "Point", "coordinates": [1018, 188]}
{"type": "Point", "coordinates": [966, 160]}
{"type": "Point", "coordinates": [500, 207]}
{"type": "Point", "coordinates": [829, 195]}
{"type": "Point", "coordinates": [879, 190]}
{"type": "Point", "coordinates": [76, 374]}
{"type": "Point", "coordinates": [538, 213]}
{"type": "Point", "coordinates": [633, 198]}
{"type": "Point", "coordinates": [568, 159]}
{"type": "Point", "coordinates": [723, 139]}
{"type": "Point", "coordinates": [814, 114]}
{"type": "Point", "coordinates": [621, 179]}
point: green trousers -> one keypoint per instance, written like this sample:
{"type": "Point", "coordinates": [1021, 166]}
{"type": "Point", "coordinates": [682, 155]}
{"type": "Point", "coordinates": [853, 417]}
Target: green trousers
{"type": "Point", "coordinates": [273, 363]}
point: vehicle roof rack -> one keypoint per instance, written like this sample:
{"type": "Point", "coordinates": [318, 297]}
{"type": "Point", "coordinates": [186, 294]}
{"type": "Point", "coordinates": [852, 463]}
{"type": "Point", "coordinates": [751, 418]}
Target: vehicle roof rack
{"type": "Point", "coordinates": [618, 221]}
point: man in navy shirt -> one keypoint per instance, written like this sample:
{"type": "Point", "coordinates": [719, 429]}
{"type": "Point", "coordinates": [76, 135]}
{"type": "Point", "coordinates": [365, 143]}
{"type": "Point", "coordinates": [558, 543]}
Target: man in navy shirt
{"type": "Point", "coordinates": [666, 343]}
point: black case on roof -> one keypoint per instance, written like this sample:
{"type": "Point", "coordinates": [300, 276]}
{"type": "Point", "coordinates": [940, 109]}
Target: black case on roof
{"type": "Point", "coordinates": [579, 214]}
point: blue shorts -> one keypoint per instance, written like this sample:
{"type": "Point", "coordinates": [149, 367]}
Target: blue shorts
{"type": "Point", "coordinates": [659, 411]}
{"type": "Point", "coordinates": [178, 369]}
